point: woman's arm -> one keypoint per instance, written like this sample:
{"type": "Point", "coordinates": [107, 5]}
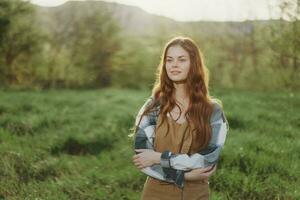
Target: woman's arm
{"type": "Point", "coordinates": [199, 174]}
{"type": "Point", "coordinates": [143, 140]}
{"type": "Point", "coordinates": [145, 132]}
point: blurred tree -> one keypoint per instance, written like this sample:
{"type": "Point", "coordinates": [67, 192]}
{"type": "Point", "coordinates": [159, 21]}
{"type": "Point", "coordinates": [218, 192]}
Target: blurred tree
{"type": "Point", "coordinates": [285, 43]}
{"type": "Point", "coordinates": [83, 39]}
{"type": "Point", "coordinates": [19, 39]}
{"type": "Point", "coordinates": [135, 64]}
{"type": "Point", "coordinates": [100, 41]}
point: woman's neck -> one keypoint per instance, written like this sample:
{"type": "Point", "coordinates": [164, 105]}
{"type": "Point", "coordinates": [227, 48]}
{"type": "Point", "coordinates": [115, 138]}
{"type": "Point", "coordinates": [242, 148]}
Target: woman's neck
{"type": "Point", "coordinates": [180, 92]}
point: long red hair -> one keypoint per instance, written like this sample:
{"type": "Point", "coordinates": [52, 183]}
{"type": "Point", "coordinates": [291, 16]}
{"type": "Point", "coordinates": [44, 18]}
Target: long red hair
{"type": "Point", "coordinates": [201, 104]}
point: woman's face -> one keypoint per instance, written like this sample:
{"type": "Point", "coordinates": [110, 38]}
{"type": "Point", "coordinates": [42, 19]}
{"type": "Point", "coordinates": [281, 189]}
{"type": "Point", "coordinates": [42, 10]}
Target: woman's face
{"type": "Point", "coordinates": [177, 63]}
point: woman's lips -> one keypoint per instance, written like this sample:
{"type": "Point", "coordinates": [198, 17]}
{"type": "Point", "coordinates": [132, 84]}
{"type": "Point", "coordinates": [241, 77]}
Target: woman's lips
{"type": "Point", "coordinates": [175, 72]}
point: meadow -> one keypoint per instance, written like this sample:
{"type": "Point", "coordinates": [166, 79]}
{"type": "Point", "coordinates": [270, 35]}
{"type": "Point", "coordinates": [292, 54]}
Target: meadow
{"type": "Point", "coordinates": [74, 144]}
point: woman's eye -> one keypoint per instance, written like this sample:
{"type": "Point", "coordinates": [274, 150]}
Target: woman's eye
{"type": "Point", "coordinates": [182, 60]}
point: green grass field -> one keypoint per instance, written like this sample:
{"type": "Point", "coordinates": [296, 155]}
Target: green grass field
{"type": "Point", "coordinates": [74, 145]}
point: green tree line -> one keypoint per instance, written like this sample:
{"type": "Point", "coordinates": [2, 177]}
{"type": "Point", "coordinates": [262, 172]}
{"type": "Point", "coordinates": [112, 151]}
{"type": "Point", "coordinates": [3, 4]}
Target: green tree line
{"type": "Point", "coordinates": [91, 50]}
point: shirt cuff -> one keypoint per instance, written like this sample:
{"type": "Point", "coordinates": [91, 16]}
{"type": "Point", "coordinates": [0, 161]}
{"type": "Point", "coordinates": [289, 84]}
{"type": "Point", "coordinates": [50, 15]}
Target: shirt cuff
{"type": "Point", "coordinates": [165, 159]}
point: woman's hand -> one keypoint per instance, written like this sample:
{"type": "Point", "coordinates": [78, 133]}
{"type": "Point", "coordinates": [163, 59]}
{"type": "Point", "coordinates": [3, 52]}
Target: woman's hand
{"type": "Point", "coordinates": [199, 174]}
{"type": "Point", "coordinates": [146, 158]}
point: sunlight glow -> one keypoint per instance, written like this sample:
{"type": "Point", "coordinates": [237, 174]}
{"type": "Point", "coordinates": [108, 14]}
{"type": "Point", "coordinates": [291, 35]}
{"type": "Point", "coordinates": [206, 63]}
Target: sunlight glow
{"type": "Point", "coordinates": [48, 2]}
{"type": "Point", "coordinates": [205, 10]}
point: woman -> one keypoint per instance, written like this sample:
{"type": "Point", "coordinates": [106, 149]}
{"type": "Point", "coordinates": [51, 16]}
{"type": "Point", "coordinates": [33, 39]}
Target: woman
{"type": "Point", "coordinates": [181, 152]}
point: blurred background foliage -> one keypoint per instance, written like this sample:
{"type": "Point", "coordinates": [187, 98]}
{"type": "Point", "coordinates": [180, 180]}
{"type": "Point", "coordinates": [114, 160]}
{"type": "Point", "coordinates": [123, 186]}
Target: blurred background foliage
{"type": "Point", "coordinates": [100, 44]}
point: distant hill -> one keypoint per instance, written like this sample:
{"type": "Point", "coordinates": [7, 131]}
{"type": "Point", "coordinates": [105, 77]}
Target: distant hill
{"type": "Point", "coordinates": [138, 22]}
{"type": "Point", "coordinates": [132, 19]}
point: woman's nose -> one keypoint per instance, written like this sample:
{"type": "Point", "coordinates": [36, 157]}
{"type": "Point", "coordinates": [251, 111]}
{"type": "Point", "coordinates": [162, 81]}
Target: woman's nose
{"type": "Point", "coordinates": [175, 64]}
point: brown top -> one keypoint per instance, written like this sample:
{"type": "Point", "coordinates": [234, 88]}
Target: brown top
{"type": "Point", "coordinates": [180, 139]}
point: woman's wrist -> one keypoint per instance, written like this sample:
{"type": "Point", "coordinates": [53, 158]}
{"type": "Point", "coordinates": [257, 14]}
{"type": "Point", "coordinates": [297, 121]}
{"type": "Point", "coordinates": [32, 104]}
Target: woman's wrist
{"type": "Point", "coordinates": [157, 158]}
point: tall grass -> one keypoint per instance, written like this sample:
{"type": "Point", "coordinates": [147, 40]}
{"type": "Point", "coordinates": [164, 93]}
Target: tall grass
{"type": "Point", "coordinates": [74, 145]}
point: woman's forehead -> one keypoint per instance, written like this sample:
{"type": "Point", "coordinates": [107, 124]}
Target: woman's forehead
{"type": "Point", "coordinates": [177, 51]}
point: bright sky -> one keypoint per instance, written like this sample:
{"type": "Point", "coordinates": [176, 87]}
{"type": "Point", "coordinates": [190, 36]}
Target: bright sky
{"type": "Point", "coordinates": [194, 10]}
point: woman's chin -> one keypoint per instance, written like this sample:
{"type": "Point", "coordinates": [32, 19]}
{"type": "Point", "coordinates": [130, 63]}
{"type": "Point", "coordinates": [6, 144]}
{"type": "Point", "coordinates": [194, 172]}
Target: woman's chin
{"type": "Point", "coordinates": [179, 80]}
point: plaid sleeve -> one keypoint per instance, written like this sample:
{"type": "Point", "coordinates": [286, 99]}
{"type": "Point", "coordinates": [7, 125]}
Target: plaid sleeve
{"type": "Point", "coordinates": [210, 155]}
{"type": "Point", "coordinates": [144, 137]}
